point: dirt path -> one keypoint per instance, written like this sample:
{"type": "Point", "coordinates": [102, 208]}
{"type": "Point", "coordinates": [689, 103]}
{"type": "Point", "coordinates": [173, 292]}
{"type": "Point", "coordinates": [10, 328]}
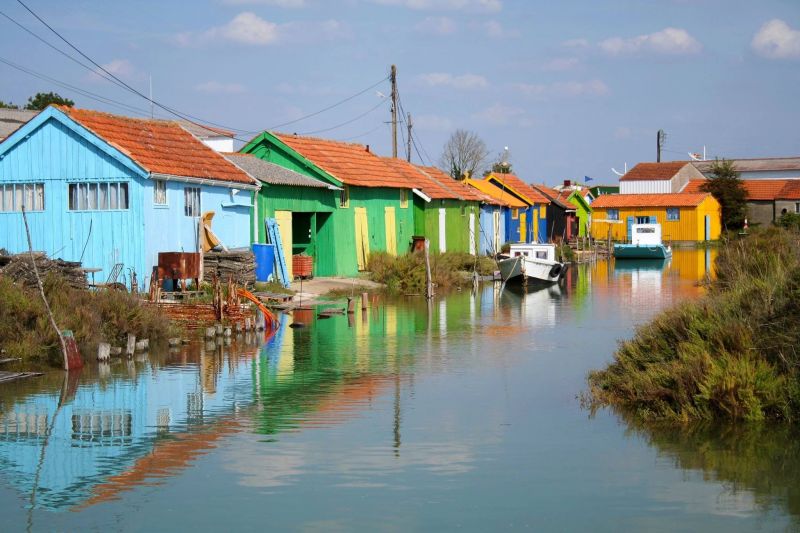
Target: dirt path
{"type": "Point", "coordinates": [313, 289]}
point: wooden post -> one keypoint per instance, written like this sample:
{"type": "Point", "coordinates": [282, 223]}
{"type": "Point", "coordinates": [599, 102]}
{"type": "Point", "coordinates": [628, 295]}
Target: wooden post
{"type": "Point", "coordinates": [103, 351]}
{"type": "Point", "coordinates": [131, 346]}
{"type": "Point", "coordinates": [364, 300]}
{"type": "Point", "coordinates": [41, 292]}
{"type": "Point", "coordinates": [351, 306]}
{"type": "Point", "coordinates": [429, 281]}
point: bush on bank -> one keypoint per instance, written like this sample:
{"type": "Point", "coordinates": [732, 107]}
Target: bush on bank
{"type": "Point", "coordinates": [731, 354]}
{"type": "Point", "coordinates": [93, 317]}
{"type": "Point", "coordinates": [406, 273]}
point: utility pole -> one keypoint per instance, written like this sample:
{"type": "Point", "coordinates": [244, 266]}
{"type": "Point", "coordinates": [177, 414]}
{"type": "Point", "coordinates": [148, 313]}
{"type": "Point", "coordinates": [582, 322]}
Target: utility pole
{"type": "Point", "coordinates": [408, 148]}
{"type": "Point", "coordinates": [661, 138]}
{"type": "Point", "coordinates": [393, 79]}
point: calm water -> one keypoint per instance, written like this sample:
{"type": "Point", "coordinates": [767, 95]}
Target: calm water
{"type": "Point", "coordinates": [462, 415]}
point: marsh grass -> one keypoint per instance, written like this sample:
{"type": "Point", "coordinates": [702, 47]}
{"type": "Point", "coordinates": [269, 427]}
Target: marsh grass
{"type": "Point", "coordinates": [406, 274]}
{"type": "Point", "coordinates": [732, 354]}
{"type": "Point", "coordinates": [93, 317]}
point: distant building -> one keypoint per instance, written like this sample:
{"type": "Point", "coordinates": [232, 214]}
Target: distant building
{"type": "Point", "coordinates": [13, 119]}
{"type": "Point", "coordinates": [658, 178]}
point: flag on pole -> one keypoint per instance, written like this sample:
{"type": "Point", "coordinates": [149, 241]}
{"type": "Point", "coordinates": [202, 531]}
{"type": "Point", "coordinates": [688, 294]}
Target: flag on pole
{"type": "Point", "coordinates": [587, 178]}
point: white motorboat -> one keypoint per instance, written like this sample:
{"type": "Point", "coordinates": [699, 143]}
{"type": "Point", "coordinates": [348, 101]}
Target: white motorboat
{"type": "Point", "coordinates": [532, 262]}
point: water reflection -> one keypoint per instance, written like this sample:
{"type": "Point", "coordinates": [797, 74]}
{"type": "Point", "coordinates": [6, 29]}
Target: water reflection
{"type": "Point", "coordinates": [101, 435]}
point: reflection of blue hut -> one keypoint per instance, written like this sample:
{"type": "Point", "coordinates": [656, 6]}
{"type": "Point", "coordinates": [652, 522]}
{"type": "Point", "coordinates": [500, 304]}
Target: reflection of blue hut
{"type": "Point", "coordinates": [108, 426]}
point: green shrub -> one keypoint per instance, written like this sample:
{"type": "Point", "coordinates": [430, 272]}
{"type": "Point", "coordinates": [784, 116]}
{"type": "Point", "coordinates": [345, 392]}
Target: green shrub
{"type": "Point", "coordinates": [407, 274]}
{"type": "Point", "coordinates": [730, 354]}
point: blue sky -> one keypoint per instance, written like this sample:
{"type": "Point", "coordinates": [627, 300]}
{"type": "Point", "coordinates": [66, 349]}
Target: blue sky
{"type": "Point", "coordinates": [573, 88]}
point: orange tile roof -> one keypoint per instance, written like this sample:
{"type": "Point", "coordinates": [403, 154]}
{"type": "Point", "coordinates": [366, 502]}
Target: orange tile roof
{"type": "Point", "coordinates": [555, 196]}
{"type": "Point", "coordinates": [791, 191]}
{"type": "Point", "coordinates": [159, 146]}
{"type": "Point", "coordinates": [757, 189]}
{"type": "Point", "coordinates": [649, 200]}
{"type": "Point", "coordinates": [350, 163]}
{"type": "Point", "coordinates": [460, 189]}
{"type": "Point", "coordinates": [654, 171]}
{"type": "Point", "coordinates": [500, 196]}
{"type": "Point", "coordinates": [416, 178]}
{"type": "Point", "coordinates": [512, 182]}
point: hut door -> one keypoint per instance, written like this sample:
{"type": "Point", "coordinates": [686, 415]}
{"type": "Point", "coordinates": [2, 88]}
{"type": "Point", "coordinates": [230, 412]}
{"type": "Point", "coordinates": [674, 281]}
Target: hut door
{"type": "Point", "coordinates": [523, 229]}
{"type": "Point", "coordinates": [442, 230]}
{"type": "Point", "coordinates": [496, 231]}
{"type": "Point", "coordinates": [391, 232]}
{"type": "Point", "coordinates": [472, 233]}
{"type": "Point", "coordinates": [708, 228]}
{"type": "Point", "coordinates": [362, 238]}
{"type": "Point", "coordinates": [284, 220]}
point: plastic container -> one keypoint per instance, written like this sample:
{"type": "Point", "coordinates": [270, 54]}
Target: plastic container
{"type": "Point", "coordinates": [265, 261]}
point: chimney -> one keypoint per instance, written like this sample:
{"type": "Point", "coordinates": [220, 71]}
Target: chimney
{"type": "Point", "coordinates": [367, 148]}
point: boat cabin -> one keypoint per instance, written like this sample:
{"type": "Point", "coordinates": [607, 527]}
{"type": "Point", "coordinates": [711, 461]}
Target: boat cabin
{"type": "Point", "coordinates": [646, 234]}
{"type": "Point", "coordinates": [545, 252]}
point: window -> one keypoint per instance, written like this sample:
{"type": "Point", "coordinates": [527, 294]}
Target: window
{"type": "Point", "coordinates": [160, 192]}
{"type": "Point", "coordinates": [403, 198]}
{"type": "Point", "coordinates": [797, 207]}
{"type": "Point", "coordinates": [515, 214]}
{"type": "Point", "coordinates": [98, 196]}
{"type": "Point", "coordinates": [613, 214]}
{"type": "Point", "coordinates": [542, 211]}
{"type": "Point", "coordinates": [541, 255]}
{"type": "Point", "coordinates": [673, 213]}
{"type": "Point", "coordinates": [13, 197]}
{"type": "Point", "coordinates": [642, 220]}
{"type": "Point", "coordinates": [344, 197]}
{"type": "Point", "coordinates": [191, 196]}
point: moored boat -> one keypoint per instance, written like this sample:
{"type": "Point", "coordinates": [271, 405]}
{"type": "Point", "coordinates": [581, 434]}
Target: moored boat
{"type": "Point", "coordinates": [532, 262]}
{"type": "Point", "coordinates": [645, 244]}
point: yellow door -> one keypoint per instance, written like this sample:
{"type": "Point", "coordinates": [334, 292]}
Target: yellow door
{"type": "Point", "coordinates": [535, 228]}
{"type": "Point", "coordinates": [391, 232]}
{"type": "Point", "coordinates": [284, 220]}
{"type": "Point", "coordinates": [523, 233]}
{"type": "Point", "coordinates": [362, 238]}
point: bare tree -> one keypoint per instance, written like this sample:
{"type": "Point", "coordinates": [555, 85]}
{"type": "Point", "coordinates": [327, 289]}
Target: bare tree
{"type": "Point", "coordinates": [464, 153]}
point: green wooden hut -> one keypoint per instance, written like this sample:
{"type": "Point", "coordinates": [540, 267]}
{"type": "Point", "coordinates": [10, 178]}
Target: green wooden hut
{"type": "Point", "coordinates": [371, 210]}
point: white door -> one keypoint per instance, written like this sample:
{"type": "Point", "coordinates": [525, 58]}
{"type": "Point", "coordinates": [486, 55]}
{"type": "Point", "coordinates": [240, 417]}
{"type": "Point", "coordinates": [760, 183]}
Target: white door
{"type": "Point", "coordinates": [442, 230]}
{"type": "Point", "coordinates": [472, 233]}
{"type": "Point", "coordinates": [496, 235]}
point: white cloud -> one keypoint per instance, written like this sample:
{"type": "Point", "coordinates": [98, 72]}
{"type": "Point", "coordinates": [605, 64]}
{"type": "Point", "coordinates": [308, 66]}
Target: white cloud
{"type": "Point", "coordinates": [502, 115]}
{"type": "Point", "coordinates": [481, 6]}
{"type": "Point", "coordinates": [776, 40]}
{"type": "Point", "coordinates": [496, 30]}
{"type": "Point", "coordinates": [433, 123]}
{"type": "Point", "coordinates": [565, 88]}
{"type": "Point", "coordinates": [250, 29]}
{"type": "Point", "coordinates": [436, 26]}
{"type": "Point", "coordinates": [276, 3]}
{"type": "Point", "coordinates": [216, 87]}
{"type": "Point", "coordinates": [462, 81]}
{"type": "Point", "coordinates": [559, 64]}
{"type": "Point", "coordinates": [669, 41]}
{"type": "Point", "coordinates": [576, 43]}
{"type": "Point", "coordinates": [121, 68]}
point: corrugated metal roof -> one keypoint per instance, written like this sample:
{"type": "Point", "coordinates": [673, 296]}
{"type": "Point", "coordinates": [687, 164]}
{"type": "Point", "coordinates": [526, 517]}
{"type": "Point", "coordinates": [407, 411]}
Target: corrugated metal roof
{"type": "Point", "coordinates": [204, 132]}
{"type": "Point", "coordinates": [270, 173]}
{"type": "Point", "coordinates": [12, 119]}
{"type": "Point", "coordinates": [755, 164]}
{"type": "Point", "coordinates": [649, 200]}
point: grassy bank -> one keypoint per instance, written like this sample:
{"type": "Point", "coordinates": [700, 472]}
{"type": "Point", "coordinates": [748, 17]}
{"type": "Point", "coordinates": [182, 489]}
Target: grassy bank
{"type": "Point", "coordinates": [730, 355]}
{"type": "Point", "coordinates": [93, 317]}
{"type": "Point", "coordinates": [406, 274]}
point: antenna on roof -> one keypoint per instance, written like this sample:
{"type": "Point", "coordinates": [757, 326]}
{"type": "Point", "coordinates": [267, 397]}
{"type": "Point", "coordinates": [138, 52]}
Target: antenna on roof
{"type": "Point", "coordinates": [620, 174]}
{"type": "Point", "coordinates": [698, 157]}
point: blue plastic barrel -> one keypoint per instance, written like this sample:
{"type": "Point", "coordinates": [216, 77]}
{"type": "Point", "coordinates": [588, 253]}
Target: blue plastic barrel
{"type": "Point", "coordinates": [265, 260]}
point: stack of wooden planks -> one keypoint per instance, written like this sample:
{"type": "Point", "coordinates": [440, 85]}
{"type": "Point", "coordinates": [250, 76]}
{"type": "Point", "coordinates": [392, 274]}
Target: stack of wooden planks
{"type": "Point", "coordinates": [238, 265]}
{"type": "Point", "coordinates": [19, 269]}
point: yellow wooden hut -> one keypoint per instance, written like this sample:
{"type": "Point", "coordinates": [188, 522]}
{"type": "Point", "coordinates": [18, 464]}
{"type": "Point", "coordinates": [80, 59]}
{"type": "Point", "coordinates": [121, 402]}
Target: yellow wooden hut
{"type": "Point", "coordinates": [683, 216]}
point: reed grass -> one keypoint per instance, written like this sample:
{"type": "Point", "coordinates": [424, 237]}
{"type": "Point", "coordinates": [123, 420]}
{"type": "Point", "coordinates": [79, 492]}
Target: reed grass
{"type": "Point", "coordinates": [406, 274]}
{"type": "Point", "coordinates": [732, 354]}
{"type": "Point", "coordinates": [93, 317]}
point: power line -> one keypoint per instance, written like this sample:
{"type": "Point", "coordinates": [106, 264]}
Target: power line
{"type": "Point", "coordinates": [340, 102]}
{"type": "Point", "coordinates": [373, 130]}
{"type": "Point", "coordinates": [365, 113]}
{"type": "Point", "coordinates": [82, 92]}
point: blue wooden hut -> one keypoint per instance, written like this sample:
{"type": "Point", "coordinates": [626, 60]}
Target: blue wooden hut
{"type": "Point", "coordinates": [105, 190]}
{"type": "Point", "coordinates": [527, 224]}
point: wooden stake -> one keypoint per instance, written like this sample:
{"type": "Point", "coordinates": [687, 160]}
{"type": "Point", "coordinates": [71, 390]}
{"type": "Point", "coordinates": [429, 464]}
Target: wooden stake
{"type": "Point", "coordinates": [41, 292]}
{"type": "Point", "coordinates": [364, 300]}
{"type": "Point", "coordinates": [429, 281]}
